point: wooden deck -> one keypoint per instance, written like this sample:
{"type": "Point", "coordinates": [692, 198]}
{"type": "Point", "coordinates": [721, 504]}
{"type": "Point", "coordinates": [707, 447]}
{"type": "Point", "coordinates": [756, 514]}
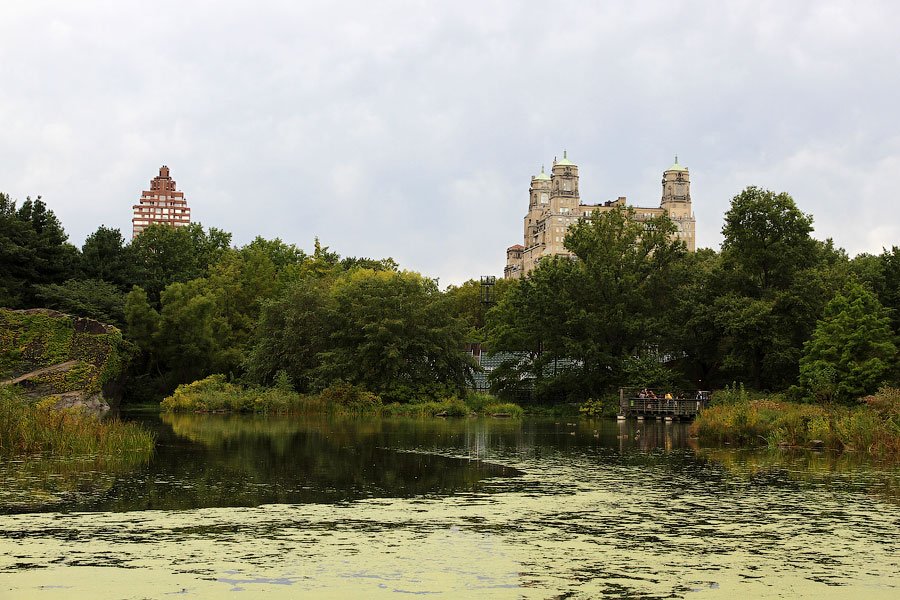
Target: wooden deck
{"type": "Point", "coordinates": [674, 409]}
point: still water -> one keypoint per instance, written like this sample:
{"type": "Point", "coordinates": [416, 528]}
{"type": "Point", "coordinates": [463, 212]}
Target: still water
{"type": "Point", "coordinates": [288, 507]}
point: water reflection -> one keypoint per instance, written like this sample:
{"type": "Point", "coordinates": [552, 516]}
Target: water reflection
{"type": "Point", "coordinates": [465, 508]}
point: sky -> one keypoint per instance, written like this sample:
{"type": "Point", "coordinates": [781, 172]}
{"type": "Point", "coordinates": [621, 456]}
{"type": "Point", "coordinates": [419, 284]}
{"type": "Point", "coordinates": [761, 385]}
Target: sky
{"type": "Point", "coordinates": [412, 129]}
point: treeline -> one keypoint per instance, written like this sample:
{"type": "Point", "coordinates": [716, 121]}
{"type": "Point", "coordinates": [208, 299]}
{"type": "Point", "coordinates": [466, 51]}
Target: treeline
{"type": "Point", "coordinates": [774, 308]}
{"type": "Point", "coordinates": [193, 305]}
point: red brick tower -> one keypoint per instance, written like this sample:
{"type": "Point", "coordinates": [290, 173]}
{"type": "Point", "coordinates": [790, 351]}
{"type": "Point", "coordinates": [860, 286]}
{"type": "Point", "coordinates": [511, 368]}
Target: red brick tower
{"type": "Point", "coordinates": [162, 203]}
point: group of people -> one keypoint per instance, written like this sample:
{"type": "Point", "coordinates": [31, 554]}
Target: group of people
{"type": "Point", "coordinates": [648, 393]}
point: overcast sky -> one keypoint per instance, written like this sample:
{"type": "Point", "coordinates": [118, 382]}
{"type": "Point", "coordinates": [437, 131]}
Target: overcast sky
{"type": "Point", "coordinates": [411, 129]}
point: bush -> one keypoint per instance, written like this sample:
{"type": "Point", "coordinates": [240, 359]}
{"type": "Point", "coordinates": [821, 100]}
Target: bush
{"type": "Point", "coordinates": [214, 394]}
{"type": "Point", "coordinates": [346, 398]}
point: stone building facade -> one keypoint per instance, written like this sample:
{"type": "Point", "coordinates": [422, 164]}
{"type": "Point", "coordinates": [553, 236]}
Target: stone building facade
{"type": "Point", "coordinates": [555, 204]}
{"type": "Point", "coordinates": [162, 203]}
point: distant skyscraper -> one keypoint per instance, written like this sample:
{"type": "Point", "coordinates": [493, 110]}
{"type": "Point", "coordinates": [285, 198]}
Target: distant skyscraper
{"type": "Point", "coordinates": [160, 204]}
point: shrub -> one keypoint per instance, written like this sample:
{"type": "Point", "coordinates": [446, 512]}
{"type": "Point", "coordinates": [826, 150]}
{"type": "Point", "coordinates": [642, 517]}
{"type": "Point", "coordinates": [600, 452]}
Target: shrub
{"type": "Point", "coordinates": [348, 398]}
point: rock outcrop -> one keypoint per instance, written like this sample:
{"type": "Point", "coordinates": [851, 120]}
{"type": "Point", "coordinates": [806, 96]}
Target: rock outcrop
{"type": "Point", "coordinates": [62, 359]}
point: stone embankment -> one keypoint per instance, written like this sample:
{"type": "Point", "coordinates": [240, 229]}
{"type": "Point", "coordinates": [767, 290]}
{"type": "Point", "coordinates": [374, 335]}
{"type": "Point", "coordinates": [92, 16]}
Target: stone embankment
{"type": "Point", "coordinates": [61, 359]}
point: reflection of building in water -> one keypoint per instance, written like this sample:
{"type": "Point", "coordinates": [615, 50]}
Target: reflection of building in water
{"type": "Point", "coordinates": [555, 204]}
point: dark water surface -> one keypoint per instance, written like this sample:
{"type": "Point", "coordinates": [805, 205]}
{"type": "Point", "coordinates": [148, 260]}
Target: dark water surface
{"type": "Point", "coordinates": [319, 507]}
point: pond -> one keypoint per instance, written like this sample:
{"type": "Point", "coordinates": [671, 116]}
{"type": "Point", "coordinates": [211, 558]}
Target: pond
{"type": "Point", "coordinates": [487, 508]}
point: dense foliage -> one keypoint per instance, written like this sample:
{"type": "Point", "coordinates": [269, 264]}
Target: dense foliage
{"type": "Point", "coordinates": [773, 308]}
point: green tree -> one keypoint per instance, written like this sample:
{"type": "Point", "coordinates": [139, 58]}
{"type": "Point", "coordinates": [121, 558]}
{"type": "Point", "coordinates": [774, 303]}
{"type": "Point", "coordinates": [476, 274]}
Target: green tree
{"type": "Point", "coordinates": [85, 297]}
{"type": "Point", "coordinates": [293, 329]}
{"type": "Point", "coordinates": [392, 334]}
{"type": "Point", "coordinates": [852, 350]}
{"type": "Point", "coordinates": [192, 340]}
{"type": "Point", "coordinates": [692, 336]}
{"type": "Point", "coordinates": [596, 311]}
{"type": "Point", "coordinates": [467, 302]}
{"type": "Point", "coordinates": [163, 255]}
{"type": "Point", "coordinates": [881, 273]}
{"type": "Point", "coordinates": [105, 256]}
{"type": "Point", "coordinates": [142, 325]}
{"type": "Point", "coordinates": [389, 332]}
{"type": "Point", "coordinates": [33, 250]}
{"type": "Point", "coordinates": [775, 279]}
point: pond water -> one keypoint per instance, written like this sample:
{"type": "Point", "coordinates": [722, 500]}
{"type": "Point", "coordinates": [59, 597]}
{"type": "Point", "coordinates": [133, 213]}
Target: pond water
{"type": "Point", "coordinates": [316, 507]}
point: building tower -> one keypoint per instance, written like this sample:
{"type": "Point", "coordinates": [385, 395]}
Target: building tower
{"type": "Point", "coordinates": [676, 201]}
{"type": "Point", "coordinates": [162, 203]}
{"type": "Point", "coordinates": [539, 201]}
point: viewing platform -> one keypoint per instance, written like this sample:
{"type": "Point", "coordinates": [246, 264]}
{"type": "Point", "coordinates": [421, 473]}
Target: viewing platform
{"type": "Point", "coordinates": [659, 404]}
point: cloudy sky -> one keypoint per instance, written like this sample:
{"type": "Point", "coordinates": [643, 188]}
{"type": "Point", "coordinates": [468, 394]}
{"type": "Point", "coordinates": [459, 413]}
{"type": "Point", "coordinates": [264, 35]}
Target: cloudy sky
{"type": "Point", "coordinates": [411, 129]}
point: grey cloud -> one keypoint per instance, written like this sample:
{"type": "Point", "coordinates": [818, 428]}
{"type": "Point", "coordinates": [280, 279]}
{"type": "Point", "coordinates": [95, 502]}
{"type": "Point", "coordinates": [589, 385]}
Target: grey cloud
{"type": "Point", "coordinates": [412, 129]}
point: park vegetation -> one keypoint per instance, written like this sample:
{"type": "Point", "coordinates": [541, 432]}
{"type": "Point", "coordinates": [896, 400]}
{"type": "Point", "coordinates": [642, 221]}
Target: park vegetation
{"type": "Point", "coordinates": [787, 314]}
{"type": "Point", "coordinates": [29, 428]}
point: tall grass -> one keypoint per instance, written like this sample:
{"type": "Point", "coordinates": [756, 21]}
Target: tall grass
{"type": "Point", "coordinates": [26, 428]}
{"type": "Point", "coordinates": [873, 426]}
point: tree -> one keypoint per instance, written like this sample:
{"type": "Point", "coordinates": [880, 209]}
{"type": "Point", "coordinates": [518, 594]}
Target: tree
{"type": "Point", "coordinates": [163, 255]}
{"type": "Point", "coordinates": [596, 310]}
{"type": "Point", "coordinates": [142, 324]}
{"type": "Point", "coordinates": [105, 256]}
{"type": "Point", "coordinates": [293, 329]}
{"type": "Point", "coordinates": [389, 332]}
{"type": "Point", "coordinates": [193, 337]}
{"type": "Point", "coordinates": [466, 302]}
{"type": "Point", "coordinates": [774, 280]}
{"type": "Point", "coordinates": [767, 241]}
{"type": "Point", "coordinates": [33, 250]}
{"type": "Point", "coordinates": [392, 334]}
{"type": "Point", "coordinates": [692, 336]}
{"type": "Point", "coordinates": [852, 350]}
{"type": "Point", "coordinates": [85, 297]}
{"type": "Point", "coordinates": [881, 273]}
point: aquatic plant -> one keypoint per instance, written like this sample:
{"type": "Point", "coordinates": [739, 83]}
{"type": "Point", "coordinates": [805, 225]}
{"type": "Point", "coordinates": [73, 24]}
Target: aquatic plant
{"type": "Point", "coordinates": [27, 428]}
{"type": "Point", "coordinates": [873, 426]}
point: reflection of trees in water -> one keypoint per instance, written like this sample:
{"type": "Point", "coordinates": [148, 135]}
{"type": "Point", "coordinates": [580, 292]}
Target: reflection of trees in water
{"type": "Point", "coordinates": [211, 460]}
{"type": "Point", "coordinates": [809, 467]}
{"type": "Point", "coordinates": [43, 483]}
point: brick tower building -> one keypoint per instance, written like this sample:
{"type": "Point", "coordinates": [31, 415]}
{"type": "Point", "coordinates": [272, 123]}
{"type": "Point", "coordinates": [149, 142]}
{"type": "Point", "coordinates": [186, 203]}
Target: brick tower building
{"type": "Point", "coordinates": [162, 203]}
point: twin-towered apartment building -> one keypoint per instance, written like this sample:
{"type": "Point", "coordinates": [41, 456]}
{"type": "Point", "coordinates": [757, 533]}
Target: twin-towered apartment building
{"type": "Point", "coordinates": [555, 204]}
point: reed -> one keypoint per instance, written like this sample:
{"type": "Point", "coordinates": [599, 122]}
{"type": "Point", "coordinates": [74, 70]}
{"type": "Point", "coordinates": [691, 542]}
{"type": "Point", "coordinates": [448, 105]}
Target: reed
{"type": "Point", "coordinates": [27, 428]}
{"type": "Point", "coordinates": [873, 426]}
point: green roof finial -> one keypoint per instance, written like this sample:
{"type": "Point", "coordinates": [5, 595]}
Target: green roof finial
{"type": "Point", "coordinates": [676, 159]}
{"type": "Point", "coordinates": [565, 154]}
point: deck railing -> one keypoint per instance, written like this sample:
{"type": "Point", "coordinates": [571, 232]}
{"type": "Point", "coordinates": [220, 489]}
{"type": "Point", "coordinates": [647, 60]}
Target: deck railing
{"type": "Point", "coordinates": [684, 406]}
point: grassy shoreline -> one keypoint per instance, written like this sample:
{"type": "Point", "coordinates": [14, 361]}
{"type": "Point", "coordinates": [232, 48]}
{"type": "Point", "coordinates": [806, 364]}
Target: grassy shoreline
{"type": "Point", "coordinates": [873, 426]}
{"type": "Point", "coordinates": [27, 428]}
{"type": "Point", "coordinates": [215, 395]}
